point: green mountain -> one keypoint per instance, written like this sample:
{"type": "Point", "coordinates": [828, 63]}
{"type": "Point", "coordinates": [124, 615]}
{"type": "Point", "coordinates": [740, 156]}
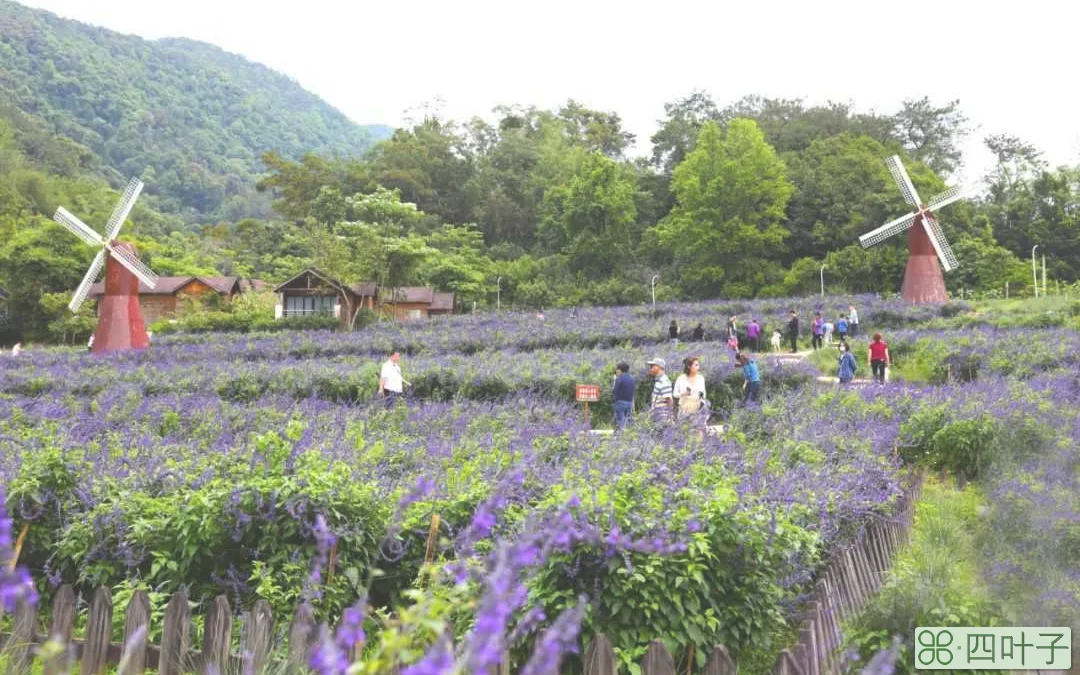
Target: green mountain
{"type": "Point", "coordinates": [191, 119]}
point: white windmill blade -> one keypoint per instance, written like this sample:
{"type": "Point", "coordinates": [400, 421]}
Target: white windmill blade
{"type": "Point", "coordinates": [899, 174]}
{"type": "Point", "coordinates": [91, 276]}
{"type": "Point", "coordinates": [123, 208]}
{"type": "Point", "coordinates": [77, 227]}
{"type": "Point", "coordinates": [887, 230]}
{"type": "Point", "coordinates": [136, 266]}
{"type": "Point", "coordinates": [948, 197]}
{"type": "Point", "coordinates": [937, 238]}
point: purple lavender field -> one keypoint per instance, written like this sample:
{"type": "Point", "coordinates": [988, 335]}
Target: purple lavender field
{"type": "Point", "coordinates": [263, 467]}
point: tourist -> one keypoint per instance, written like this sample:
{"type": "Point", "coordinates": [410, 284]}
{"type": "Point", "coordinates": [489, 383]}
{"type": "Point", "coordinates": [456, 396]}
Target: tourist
{"type": "Point", "coordinates": [622, 393]}
{"type": "Point", "coordinates": [662, 400]}
{"type": "Point", "coordinates": [732, 328]}
{"type": "Point", "coordinates": [17, 349]}
{"type": "Point", "coordinates": [751, 378]}
{"type": "Point", "coordinates": [391, 384]}
{"type": "Point", "coordinates": [853, 321]}
{"type": "Point", "coordinates": [699, 333]}
{"type": "Point", "coordinates": [793, 331]}
{"type": "Point", "coordinates": [878, 355]}
{"type": "Point", "coordinates": [90, 344]}
{"type": "Point", "coordinates": [673, 332]}
{"type": "Point", "coordinates": [828, 328]}
{"type": "Point", "coordinates": [690, 387]}
{"type": "Point", "coordinates": [817, 329]}
{"type": "Point", "coordinates": [753, 335]}
{"type": "Point", "coordinates": [846, 366]}
{"type": "Point", "coordinates": [841, 328]}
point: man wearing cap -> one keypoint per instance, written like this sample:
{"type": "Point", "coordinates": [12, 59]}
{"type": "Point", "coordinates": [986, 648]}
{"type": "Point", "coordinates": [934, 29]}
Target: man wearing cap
{"type": "Point", "coordinates": [663, 398]}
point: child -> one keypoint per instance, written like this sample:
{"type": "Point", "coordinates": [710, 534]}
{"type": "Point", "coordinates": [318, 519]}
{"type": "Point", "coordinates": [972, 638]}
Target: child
{"type": "Point", "coordinates": [733, 343]}
{"type": "Point", "coordinates": [777, 338]}
{"type": "Point", "coordinates": [846, 370]}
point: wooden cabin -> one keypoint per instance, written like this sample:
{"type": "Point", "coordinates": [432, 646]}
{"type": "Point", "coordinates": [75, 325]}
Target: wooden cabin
{"type": "Point", "coordinates": [166, 299]}
{"type": "Point", "coordinates": [312, 292]}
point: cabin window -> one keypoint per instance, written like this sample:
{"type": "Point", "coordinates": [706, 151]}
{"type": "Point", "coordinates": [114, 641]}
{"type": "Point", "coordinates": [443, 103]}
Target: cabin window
{"type": "Point", "coordinates": [299, 305]}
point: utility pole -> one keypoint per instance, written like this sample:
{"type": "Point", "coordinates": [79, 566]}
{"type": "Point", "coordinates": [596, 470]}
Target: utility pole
{"type": "Point", "coordinates": [653, 284]}
{"type": "Point", "coordinates": [822, 273]}
{"type": "Point", "coordinates": [498, 293]}
{"type": "Point", "coordinates": [1044, 275]}
{"type": "Point", "coordinates": [1034, 271]}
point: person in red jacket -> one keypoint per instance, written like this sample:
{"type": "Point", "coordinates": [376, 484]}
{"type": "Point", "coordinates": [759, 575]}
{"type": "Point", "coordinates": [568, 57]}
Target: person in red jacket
{"type": "Point", "coordinates": [878, 355]}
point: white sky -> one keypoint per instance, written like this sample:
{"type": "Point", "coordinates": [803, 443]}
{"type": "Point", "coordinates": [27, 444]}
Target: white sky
{"type": "Point", "coordinates": [1013, 67]}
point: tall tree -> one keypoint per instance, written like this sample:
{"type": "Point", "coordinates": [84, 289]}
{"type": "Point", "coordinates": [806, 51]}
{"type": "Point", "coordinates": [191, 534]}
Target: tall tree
{"type": "Point", "coordinates": [595, 130]}
{"type": "Point", "coordinates": [679, 131]}
{"type": "Point", "coordinates": [932, 134]}
{"type": "Point", "coordinates": [592, 217]}
{"type": "Point", "coordinates": [726, 231]}
{"type": "Point", "coordinates": [431, 166]}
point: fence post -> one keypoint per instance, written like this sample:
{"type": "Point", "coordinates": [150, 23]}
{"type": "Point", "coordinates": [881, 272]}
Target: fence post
{"type": "Point", "coordinates": [98, 633]}
{"type": "Point", "coordinates": [136, 616]}
{"type": "Point", "coordinates": [175, 636]}
{"type": "Point", "coordinates": [22, 639]}
{"type": "Point", "coordinates": [260, 633]}
{"type": "Point", "coordinates": [63, 624]}
{"type": "Point", "coordinates": [217, 637]}
{"type": "Point", "coordinates": [657, 660]}
{"type": "Point", "coordinates": [599, 657]}
{"type": "Point", "coordinates": [720, 662]}
{"type": "Point", "coordinates": [301, 636]}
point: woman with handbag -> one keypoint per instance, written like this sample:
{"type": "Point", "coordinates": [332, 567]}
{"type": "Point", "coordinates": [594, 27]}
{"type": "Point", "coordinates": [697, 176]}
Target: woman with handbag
{"type": "Point", "coordinates": [690, 387]}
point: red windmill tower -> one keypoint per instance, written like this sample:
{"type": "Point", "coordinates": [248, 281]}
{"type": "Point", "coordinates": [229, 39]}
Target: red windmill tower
{"type": "Point", "coordinates": [120, 322]}
{"type": "Point", "coordinates": [923, 281]}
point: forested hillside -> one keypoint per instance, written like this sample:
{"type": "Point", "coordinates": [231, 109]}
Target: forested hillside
{"type": "Point", "coordinates": [190, 118]}
{"type": "Point", "coordinates": [524, 207]}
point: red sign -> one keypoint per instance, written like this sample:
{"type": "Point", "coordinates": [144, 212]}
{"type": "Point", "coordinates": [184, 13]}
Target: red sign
{"type": "Point", "coordinates": [588, 393]}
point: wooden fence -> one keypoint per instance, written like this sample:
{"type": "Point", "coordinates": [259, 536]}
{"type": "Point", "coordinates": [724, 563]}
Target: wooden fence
{"type": "Point", "coordinates": [851, 577]}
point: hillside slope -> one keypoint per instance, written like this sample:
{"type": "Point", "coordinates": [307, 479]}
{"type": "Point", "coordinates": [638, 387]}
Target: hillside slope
{"type": "Point", "coordinates": [190, 118]}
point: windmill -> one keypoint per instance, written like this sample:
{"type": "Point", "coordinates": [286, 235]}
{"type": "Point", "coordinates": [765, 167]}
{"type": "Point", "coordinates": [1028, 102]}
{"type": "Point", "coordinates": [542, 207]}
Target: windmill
{"type": "Point", "coordinates": [120, 322]}
{"type": "Point", "coordinates": [926, 244]}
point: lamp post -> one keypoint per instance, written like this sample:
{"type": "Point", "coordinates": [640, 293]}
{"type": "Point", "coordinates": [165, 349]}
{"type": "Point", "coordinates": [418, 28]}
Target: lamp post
{"type": "Point", "coordinates": [653, 285]}
{"type": "Point", "coordinates": [822, 273]}
{"type": "Point", "coordinates": [1034, 271]}
{"type": "Point", "coordinates": [498, 293]}
{"type": "Point", "coordinates": [1044, 275]}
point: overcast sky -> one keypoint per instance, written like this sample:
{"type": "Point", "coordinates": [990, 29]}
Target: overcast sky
{"type": "Point", "coordinates": [1013, 68]}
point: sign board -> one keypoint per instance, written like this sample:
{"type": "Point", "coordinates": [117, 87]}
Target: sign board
{"type": "Point", "coordinates": [587, 393]}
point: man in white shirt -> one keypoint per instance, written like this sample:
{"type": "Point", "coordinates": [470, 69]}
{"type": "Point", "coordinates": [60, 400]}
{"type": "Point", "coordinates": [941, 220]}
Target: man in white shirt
{"type": "Point", "coordinates": [391, 384]}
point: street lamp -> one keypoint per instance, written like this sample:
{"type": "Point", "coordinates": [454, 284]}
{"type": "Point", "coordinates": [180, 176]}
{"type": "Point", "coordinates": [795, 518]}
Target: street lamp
{"type": "Point", "coordinates": [1044, 274]}
{"type": "Point", "coordinates": [822, 272]}
{"type": "Point", "coordinates": [1034, 272]}
{"type": "Point", "coordinates": [498, 293]}
{"type": "Point", "coordinates": [653, 284]}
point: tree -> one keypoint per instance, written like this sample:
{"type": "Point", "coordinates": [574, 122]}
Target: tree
{"type": "Point", "coordinates": [844, 190]}
{"type": "Point", "coordinates": [431, 166]}
{"type": "Point", "coordinates": [594, 130]}
{"type": "Point", "coordinates": [932, 134]}
{"type": "Point", "coordinates": [680, 130]}
{"type": "Point", "coordinates": [725, 232]}
{"type": "Point", "coordinates": [591, 219]}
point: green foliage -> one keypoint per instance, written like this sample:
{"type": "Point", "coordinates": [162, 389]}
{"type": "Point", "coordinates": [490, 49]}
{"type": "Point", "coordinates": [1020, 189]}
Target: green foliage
{"type": "Point", "coordinates": [934, 582]}
{"type": "Point", "coordinates": [731, 192]}
{"type": "Point", "coordinates": [194, 118]}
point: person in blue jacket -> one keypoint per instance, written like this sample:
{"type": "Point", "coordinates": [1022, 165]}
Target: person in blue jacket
{"type": "Point", "coordinates": [751, 378]}
{"type": "Point", "coordinates": [841, 327]}
{"type": "Point", "coordinates": [622, 393]}
{"type": "Point", "coordinates": [846, 369]}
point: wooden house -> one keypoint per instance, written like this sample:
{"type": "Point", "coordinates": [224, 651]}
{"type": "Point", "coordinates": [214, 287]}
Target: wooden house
{"type": "Point", "coordinates": [166, 299]}
{"type": "Point", "coordinates": [313, 292]}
